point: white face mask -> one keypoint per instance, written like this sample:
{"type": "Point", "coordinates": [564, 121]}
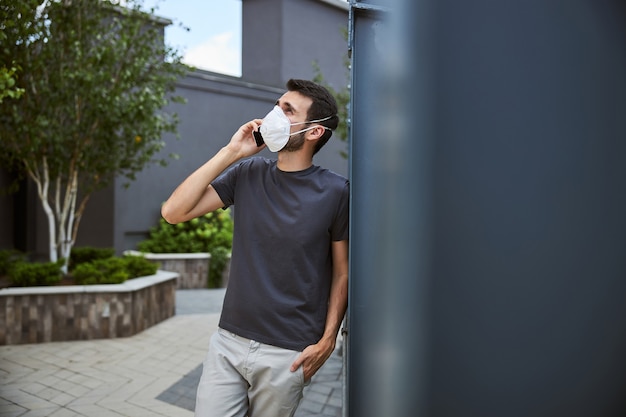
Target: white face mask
{"type": "Point", "coordinates": [274, 131]}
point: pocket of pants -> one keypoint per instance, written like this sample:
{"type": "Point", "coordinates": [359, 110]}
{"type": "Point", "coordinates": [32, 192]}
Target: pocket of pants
{"type": "Point", "coordinates": [300, 372]}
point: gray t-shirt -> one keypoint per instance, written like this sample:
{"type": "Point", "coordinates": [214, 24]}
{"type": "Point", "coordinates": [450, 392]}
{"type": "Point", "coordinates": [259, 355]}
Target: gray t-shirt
{"type": "Point", "coordinates": [281, 265]}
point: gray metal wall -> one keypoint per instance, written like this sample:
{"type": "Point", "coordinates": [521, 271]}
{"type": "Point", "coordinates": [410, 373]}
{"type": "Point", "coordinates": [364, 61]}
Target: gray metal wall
{"type": "Point", "coordinates": [488, 236]}
{"type": "Point", "coordinates": [281, 39]}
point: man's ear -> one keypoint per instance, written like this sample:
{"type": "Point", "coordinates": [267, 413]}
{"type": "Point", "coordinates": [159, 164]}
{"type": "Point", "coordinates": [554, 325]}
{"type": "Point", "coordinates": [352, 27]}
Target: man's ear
{"type": "Point", "coordinates": [316, 132]}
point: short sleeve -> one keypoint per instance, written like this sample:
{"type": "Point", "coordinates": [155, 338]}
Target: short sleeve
{"type": "Point", "coordinates": [226, 183]}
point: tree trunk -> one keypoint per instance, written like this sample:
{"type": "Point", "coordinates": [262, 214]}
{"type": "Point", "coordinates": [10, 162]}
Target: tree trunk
{"type": "Point", "coordinates": [63, 218]}
{"type": "Point", "coordinates": [67, 219]}
{"type": "Point", "coordinates": [43, 188]}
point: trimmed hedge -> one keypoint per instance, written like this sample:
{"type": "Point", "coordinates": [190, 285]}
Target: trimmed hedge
{"type": "Point", "coordinates": [85, 254]}
{"type": "Point", "coordinates": [88, 266]}
{"type": "Point", "coordinates": [113, 270]}
{"type": "Point", "coordinates": [35, 274]}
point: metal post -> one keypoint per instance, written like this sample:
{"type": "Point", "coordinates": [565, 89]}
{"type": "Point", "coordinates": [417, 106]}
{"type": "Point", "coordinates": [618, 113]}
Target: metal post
{"type": "Point", "coordinates": [390, 169]}
{"type": "Point", "coordinates": [488, 219]}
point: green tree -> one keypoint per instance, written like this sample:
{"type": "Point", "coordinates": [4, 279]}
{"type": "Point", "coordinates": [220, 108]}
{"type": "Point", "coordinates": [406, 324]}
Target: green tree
{"type": "Point", "coordinates": [9, 26]}
{"type": "Point", "coordinates": [96, 77]}
{"type": "Point", "coordinates": [7, 84]}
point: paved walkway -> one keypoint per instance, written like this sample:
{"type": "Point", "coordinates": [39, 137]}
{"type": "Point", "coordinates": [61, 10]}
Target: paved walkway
{"type": "Point", "coordinates": [154, 373]}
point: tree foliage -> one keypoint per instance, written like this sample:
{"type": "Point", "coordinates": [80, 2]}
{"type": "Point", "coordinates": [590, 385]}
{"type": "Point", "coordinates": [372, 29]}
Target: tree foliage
{"type": "Point", "coordinates": [96, 77]}
{"type": "Point", "coordinates": [8, 29]}
{"type": "Point", "coordinates": [7, 84]}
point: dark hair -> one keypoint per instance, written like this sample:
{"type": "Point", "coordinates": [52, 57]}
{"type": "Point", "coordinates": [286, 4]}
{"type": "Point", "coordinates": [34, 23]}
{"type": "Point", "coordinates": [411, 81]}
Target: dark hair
{"type": "Point", "coordinates": [323, 105]}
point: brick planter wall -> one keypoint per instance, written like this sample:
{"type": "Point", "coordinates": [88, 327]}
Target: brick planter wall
{"type": "Point", "coordinates": [192, 268]}
{"type": "Point", "coordinates": [84, 312]}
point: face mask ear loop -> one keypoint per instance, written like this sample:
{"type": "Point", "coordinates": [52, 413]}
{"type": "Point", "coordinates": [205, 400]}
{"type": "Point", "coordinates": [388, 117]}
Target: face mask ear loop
{"type": "Point", "coordinates": [309, 128]}
{"type": "Point", "coordinates": [314, 121]}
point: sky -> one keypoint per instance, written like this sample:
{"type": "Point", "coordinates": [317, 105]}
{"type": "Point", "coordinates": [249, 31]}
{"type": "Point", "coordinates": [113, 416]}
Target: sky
{"type": "Point", "coordinates": [213, 41]}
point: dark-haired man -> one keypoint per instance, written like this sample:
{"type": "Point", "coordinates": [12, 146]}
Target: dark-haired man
{"type": "Point", "coordinates": [287, 290]}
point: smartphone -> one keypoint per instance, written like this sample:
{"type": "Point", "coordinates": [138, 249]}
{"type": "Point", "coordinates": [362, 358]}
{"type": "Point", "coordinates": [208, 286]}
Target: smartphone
{"type": "Point", "coordinates": [258, 138]}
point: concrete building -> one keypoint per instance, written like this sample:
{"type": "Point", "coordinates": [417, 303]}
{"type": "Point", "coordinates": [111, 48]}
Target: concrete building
{"type": "Point", "coordinates": [281, 39]}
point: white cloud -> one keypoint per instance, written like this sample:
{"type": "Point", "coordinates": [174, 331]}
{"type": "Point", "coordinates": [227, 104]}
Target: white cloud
{"type": "Point", "coordinates": [219, 53]}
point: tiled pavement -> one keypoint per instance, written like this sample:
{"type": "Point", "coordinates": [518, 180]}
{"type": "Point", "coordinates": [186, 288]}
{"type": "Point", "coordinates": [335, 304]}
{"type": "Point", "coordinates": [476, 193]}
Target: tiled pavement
{"type": "Point", "coordinates": [151, 374]}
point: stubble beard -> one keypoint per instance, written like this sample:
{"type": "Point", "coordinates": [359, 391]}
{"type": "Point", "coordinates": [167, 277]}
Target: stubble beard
{"type": "Point", "coordinates": [295, 143]}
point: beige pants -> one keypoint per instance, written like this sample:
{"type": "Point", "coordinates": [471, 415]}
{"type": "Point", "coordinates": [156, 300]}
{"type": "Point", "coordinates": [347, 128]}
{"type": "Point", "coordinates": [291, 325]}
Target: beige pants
{"type": "Point", "coordinates": [241, 377]}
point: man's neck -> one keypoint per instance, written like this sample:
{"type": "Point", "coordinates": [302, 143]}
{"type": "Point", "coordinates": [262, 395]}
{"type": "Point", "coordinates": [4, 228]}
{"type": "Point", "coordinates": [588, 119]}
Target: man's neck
{"type": "Point", "coordinates": [294, 161]}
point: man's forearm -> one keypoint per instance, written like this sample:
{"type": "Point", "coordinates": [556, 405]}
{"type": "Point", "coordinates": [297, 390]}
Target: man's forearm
{"type": "Point", "coordinates": [337, 305]}
{"type": "Point", "coordinates": [338, 300]}
{"type": "Point", "coordinates": [186, 201]}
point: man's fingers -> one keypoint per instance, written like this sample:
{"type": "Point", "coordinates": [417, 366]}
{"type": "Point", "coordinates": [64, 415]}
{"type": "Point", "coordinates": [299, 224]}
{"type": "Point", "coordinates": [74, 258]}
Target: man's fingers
{"type": "Point", "coordinates": [296, 364]}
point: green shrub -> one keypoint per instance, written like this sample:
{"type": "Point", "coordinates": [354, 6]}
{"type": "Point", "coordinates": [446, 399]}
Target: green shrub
{"type": "Point", "coordinates": [201, 234]}
{"type": "Point", "coordinates": [34, 274]}
{"type": "Point", "coordinates": [212, 233]}
{"type": "Point", "coordinates": [138, 266]}
{"type": "Point", "coordinates": [112, 270]}
{"type": "Point", "coordinates": [219, 259]}
{"type": "Point", "coordinates": [101, 271]}
{"type": "Point", "coordinates": [84, 254]}
{"type": "Point", "coordinates": [8, 258]}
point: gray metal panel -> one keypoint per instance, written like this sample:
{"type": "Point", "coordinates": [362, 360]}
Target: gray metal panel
{"type": "Point", "coordinates": [282, 38]}
{"type": "Point", "coordinates": [262, 41]}
{"type": "Point", "coordinates": [314, 31]}
{"type": "Point", "coordinates": [390, 185]}
{"type": "Point", "coordinates": [488, 233]}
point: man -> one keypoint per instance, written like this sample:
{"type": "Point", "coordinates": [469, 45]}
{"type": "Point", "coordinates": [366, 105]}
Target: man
{"type": "Point", "coordinates": [287, 290]}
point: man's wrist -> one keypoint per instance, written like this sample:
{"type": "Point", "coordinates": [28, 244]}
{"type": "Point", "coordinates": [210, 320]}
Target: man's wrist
{"type": "Point", "coordinates": [228, 156]}
{"type": "Point", "coordinates": [328, 342]}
